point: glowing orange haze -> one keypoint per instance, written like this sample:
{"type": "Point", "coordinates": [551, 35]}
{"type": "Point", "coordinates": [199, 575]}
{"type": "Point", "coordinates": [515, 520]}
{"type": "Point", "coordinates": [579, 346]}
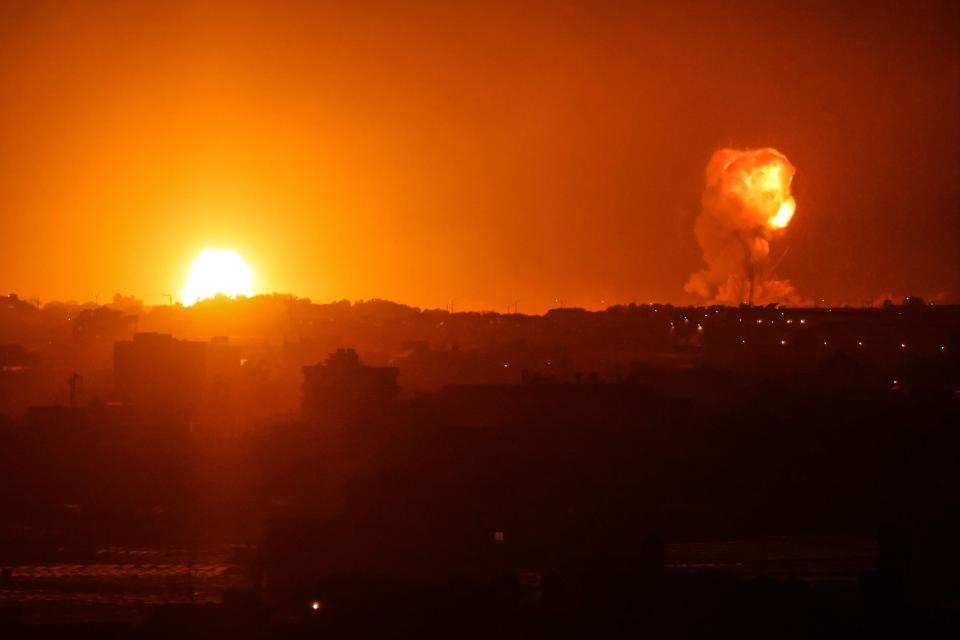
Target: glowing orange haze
{"type": "Point", "coordinates": [486, 154]}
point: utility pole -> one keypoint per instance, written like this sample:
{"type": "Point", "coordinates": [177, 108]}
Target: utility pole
{"type": "Point", "coordinates": [74, 382]}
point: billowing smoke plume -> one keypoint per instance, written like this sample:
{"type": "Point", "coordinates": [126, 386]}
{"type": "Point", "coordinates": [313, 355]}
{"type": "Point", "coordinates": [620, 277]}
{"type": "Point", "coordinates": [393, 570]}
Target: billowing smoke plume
{"type": "Point", "coordinates": [746, 203]}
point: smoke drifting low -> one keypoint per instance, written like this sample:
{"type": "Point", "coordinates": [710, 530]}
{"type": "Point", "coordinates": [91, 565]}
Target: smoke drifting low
{"type": "Point", "coordinates": [746, 204]}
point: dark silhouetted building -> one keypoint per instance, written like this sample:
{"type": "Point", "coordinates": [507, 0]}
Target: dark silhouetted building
{"type": "Point", "coordinates": [154, 369]}
{"type": "Point", "coordinates": [341, 390]}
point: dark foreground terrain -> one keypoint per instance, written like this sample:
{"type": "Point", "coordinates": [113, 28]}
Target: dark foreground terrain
{"type": "Point", "coordinates": [669, 472]}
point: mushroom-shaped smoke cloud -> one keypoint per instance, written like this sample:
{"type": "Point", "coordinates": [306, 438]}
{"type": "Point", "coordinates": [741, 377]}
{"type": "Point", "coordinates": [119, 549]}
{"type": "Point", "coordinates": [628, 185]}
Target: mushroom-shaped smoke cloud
{"type": "Point", "coordinates": [746, 204]}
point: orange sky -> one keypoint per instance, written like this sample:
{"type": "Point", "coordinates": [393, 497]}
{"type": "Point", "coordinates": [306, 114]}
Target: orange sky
{"type": "Point", "coordinates": [488, 154]}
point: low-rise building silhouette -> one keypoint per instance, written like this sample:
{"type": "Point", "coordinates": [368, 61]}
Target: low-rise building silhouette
{"type": "Point", "coordinates": [155, 369]}
{"type": "Point", "coordinates": [341, 390]}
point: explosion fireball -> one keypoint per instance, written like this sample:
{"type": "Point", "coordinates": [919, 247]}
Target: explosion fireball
{"type": "Point", "coordinates": [218, 272]}
{"type": "Point", "coordinates": [746, 204]}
